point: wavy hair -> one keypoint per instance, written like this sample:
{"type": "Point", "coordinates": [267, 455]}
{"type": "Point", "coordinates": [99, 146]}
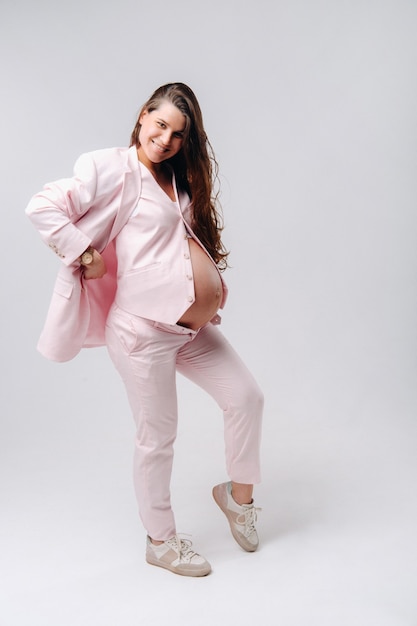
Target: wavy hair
{"type": "Point", "coordinates": [195, 166]}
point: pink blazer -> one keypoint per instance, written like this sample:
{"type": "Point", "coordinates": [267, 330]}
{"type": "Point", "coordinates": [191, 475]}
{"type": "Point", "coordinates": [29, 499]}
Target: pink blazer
{"type": "Point", "coordinates": [72, 213]}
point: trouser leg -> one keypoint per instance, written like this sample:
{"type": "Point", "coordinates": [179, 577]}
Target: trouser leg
{"type": "Point", "coordinates": [145, 358]}
{"type": "Point", "coordinates": [212, 363]}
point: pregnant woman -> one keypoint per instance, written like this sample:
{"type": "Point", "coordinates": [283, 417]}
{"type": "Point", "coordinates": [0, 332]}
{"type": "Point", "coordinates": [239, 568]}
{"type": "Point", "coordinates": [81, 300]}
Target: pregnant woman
{"type": "Point", "coordinates": [139, 235]}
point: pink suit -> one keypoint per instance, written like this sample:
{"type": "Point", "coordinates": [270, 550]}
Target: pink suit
{"type": "Point", "coordinates": [144, 341]}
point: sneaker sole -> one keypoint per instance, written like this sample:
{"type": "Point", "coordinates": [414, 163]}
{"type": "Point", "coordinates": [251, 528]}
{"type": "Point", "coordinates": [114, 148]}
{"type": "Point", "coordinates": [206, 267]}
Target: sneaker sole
{"type": "Point", "coordinates": [195, 571]}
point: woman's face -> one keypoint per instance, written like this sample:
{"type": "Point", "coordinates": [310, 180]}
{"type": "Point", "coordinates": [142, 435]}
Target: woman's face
{"type": "Point", "coordinates": [161, 134]}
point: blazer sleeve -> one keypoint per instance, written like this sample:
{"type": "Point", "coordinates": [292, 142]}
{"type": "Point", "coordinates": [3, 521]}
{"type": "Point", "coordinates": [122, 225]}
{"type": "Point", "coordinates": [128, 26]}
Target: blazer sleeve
{"type": "Point", "coordinates": [56, 209]}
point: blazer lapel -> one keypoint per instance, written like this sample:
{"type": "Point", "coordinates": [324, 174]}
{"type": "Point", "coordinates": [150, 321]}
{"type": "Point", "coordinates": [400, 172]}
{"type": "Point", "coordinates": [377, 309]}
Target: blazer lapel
{"type": "Point", "coordinates": [130, 192]}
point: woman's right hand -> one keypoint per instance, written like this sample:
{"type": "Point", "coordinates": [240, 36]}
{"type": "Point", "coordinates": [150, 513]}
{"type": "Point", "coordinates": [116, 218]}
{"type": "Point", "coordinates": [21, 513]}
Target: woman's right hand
{"type": "Point", "coordinates": [96, 269]}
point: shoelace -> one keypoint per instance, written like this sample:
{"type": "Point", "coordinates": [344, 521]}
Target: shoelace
{"type": "Point", "coordinates": [248, 519]}
{"type": "Point", "coordinates": [182, 547]}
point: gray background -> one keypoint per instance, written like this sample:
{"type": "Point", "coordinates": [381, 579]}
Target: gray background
{"type": "Point", "coordinates": [311, 109]}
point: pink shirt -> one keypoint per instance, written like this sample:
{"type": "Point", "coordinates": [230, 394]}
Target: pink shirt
{"type": "Point", "coordinates": [152, 250]}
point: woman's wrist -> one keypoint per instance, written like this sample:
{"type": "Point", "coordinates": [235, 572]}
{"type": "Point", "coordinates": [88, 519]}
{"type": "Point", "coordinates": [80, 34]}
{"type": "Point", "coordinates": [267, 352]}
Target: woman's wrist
{"type": "Point", "coordinates": [87, 256]}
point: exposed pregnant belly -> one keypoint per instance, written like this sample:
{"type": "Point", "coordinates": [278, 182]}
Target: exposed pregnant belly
{"type": "Point", "coordinates": [208, 289]}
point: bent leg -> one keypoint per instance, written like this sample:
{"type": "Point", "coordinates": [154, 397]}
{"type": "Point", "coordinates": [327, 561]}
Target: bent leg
{"type": "Point", "coordinates": [213, 364]}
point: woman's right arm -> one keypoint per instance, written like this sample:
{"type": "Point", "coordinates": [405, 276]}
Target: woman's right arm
{"type": "Point", "coordinates": [55, 210]}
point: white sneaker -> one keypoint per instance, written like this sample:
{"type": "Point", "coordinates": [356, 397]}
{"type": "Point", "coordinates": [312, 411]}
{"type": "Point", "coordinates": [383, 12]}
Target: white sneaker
{"type": "Point", "coordinates": [241, 517]}
{"type": "Point", "coordinates": [175, 554]}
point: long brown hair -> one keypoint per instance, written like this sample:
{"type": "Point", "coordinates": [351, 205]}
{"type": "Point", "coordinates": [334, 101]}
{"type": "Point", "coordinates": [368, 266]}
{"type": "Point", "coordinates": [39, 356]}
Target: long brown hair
{"type": "Point", "coordinates": [195, 166]}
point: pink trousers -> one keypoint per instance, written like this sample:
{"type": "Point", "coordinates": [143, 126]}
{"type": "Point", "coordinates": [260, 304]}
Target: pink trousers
{"type": "Point", "coordinates": [147, 355]}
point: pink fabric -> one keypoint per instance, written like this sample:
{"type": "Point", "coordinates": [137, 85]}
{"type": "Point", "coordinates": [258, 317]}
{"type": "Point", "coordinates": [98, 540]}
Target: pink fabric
{"type": "Point", "coordinates": [147, 354]}
{"type": "Point", "coordinates": [70, 214]}
{"type": "Point", "coordinates": [91, 208]}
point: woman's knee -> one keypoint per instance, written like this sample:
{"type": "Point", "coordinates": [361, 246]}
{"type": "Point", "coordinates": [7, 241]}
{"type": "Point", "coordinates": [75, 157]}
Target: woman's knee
{"type": "Point", "coordinates": [257, 399]}
{"type": "Point", "coordinates": [249, 399]}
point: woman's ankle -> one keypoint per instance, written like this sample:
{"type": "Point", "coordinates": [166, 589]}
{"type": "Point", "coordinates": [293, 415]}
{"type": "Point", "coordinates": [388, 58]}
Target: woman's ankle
{"type": "Point", "coordinates": [242, 493]}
